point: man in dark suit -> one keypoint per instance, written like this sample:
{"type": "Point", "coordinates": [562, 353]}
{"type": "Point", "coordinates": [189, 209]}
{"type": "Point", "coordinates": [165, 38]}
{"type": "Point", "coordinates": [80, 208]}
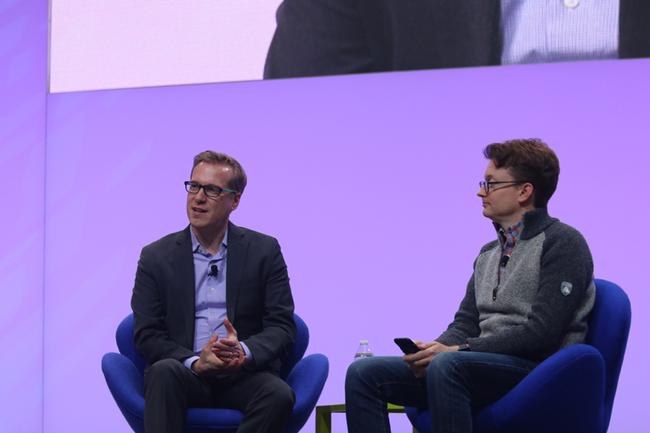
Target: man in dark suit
{"type": "Point", "coordinates": [332, 37]}
{"type": "Point", "coordinates": [214, 280]}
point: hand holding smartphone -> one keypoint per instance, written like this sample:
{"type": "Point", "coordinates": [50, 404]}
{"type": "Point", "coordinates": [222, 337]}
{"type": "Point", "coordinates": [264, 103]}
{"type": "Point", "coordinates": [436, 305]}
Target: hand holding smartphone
{"type": "Point", "coordinates": [407, 345]}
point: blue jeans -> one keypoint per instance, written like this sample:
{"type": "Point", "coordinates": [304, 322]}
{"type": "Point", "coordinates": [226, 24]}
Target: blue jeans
{"type": "Point", "coordinates": [454, 383]}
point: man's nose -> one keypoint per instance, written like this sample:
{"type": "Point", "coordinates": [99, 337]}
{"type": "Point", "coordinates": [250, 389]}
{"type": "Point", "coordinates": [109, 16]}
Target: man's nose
{"type": "Point", "coordinates": [201, 195]}
{"type": "Point", "coordinates": [481, 192]}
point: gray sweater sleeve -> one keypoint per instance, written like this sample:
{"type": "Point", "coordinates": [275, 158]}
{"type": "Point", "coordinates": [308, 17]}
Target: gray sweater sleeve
{"type": "Point", "coordinates": [466, 320]}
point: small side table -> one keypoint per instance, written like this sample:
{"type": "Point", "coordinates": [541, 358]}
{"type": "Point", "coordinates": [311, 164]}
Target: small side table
{"type": "Point", "coordinates": [324, 415]}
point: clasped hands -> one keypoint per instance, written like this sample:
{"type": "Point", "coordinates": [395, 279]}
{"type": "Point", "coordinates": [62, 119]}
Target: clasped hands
{"type": "Point", "coordinates": [224, 355]}
{"type": "Point", "coordinates": [418, 362]}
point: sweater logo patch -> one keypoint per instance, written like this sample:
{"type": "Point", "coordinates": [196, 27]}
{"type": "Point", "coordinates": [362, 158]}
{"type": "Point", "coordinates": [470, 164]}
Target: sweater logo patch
{"type": "Point", "coordinates": [566, 288]}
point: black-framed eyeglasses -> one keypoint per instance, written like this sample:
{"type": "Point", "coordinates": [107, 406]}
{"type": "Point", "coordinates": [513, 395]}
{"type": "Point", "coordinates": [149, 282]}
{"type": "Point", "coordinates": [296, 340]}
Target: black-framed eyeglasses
{"type": "Point", "coordinates": [486, 184]}
{"type": "Point", "coordinates": [209, 190]}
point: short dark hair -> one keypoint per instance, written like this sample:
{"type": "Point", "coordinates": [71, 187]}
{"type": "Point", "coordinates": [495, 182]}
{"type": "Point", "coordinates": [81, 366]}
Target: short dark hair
{"type": "Point", "coordinates": [528, 161]}
{"type": "Point", "coordinates": [237, 179]}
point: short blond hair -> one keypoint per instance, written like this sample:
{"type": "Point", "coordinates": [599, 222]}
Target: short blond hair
{"type": "Point", "coordinates": [237, 179]}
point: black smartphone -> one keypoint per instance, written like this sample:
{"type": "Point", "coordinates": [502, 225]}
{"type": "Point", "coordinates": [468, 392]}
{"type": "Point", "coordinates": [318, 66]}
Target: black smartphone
{"type": "Point", "coordinates": [407, 345]}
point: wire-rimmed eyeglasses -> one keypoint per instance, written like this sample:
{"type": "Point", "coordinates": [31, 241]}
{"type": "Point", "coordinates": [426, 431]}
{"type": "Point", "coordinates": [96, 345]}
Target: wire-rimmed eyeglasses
{"type": "Point", "coordinates": [209, 190]}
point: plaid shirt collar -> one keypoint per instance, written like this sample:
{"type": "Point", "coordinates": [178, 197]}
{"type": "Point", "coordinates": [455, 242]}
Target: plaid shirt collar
{"type": "Point", "coordinates": [509, 237]}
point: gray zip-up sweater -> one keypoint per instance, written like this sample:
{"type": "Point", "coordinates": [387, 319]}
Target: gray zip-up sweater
{"type": "Point", "coordinates": [543, 301]}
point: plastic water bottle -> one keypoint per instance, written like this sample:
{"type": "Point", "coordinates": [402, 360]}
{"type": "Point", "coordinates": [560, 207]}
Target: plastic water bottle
{"type": "Point", "coordinates": [363, 351]}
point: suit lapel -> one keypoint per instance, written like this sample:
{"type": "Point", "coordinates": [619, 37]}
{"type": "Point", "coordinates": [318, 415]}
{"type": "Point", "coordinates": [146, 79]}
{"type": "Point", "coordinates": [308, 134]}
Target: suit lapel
{"type": "Point", "coordinates": [237, 251]}
{"type": "Point", "coordinates": [183, 262]}
{"type": "Point", "coordinates": [634, 29]}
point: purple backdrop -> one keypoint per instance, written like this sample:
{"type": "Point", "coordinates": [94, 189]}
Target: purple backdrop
{"type": "Point", "coordinates": [368, 182]}
{"type": "Point", "coordinates": [23, 73]}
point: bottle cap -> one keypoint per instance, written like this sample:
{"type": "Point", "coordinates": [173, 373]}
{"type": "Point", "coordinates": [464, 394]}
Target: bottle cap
{"type": "Point", "coordinates": [363, 342]}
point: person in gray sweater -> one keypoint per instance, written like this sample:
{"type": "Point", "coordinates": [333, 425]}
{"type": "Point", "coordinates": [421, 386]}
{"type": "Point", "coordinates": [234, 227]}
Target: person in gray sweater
{"type": "Point", "coordinates": [530, 295]}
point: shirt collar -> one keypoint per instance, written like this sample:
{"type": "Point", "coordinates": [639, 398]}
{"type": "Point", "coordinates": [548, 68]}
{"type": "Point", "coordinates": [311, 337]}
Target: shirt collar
{"type": "Point", "coordinates": [511, 232]}
{"type": "Point", "coordinates": [197, 247]}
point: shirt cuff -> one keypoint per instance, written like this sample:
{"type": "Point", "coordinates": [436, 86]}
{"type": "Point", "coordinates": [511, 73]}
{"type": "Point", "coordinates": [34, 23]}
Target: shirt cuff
{"type": "Point", "coordinates": [188, 363]}
{"type": "Point", "coordinates": [248, 353]}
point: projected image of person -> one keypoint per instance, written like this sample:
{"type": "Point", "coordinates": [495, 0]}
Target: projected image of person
{"type": "Point", "coordinates": [213, 311]}
{"type": "Point", "coordinates": [530, 295]}
{"type": "Point", "coordinates": [330, 37]}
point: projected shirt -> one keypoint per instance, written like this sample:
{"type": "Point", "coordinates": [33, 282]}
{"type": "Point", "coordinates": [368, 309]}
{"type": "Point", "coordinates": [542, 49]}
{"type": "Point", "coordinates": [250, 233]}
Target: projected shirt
{"type": "Point", "coordinates": [536, 31]}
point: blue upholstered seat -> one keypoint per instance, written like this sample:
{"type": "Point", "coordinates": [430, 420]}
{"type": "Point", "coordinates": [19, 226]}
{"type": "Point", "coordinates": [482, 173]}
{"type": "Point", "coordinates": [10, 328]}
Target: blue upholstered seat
{"type": "Point", "coordinates": [124, 373]}
{"type": "Point", "coordinates": [571, 391]}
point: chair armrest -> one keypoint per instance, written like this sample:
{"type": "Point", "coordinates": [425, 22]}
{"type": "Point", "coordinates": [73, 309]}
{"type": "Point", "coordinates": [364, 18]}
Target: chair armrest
{"type": "Point", "coordinates": [125, 383]}
{"type": "Point", "coordinates": [307, 380]}
{"type": "Point", "coordinates": [563, 393]}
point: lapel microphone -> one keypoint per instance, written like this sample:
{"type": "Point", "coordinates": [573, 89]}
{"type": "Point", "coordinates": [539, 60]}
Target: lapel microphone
{"type": "Point", "coordinates": [214, 270]}
{"type": "Point", "coordinates": [504, 261]}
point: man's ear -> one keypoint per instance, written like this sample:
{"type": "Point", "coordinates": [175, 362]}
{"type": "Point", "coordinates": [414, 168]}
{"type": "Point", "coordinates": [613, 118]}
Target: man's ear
{"type": "Point", "coordinates": [526, 193]}
{"type": "Point", "coordinates": [235, 201]}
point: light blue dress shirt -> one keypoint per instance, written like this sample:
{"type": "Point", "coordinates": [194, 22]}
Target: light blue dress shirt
{"type": "Point", "coordinates": [544, 31]}
{"type": "Point", "coordinates": [209, 296]}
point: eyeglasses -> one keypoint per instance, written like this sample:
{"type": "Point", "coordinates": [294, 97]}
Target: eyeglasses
{"type": "Point", "coordinates": [486, 185]}
{"type": "Point", "coordinates": [210, 190]}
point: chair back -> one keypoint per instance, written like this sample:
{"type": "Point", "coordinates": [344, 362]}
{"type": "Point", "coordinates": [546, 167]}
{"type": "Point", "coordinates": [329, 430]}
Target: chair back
{"type": "Point", "coordinates": [608, 331]}
{"type": "Point", "coordinates": [124, 338]}
{"type": "Point", "coordinates": [297, 351]}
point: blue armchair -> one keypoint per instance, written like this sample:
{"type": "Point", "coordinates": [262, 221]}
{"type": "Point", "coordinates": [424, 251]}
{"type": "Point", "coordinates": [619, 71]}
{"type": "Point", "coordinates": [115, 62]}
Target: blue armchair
{"type": "Point", "coordinates": [124, 373]}
{"type": "Point", "coordinates": [571, 391]}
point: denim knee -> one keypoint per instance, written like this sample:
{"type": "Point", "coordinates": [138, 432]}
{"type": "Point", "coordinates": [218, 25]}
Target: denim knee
{"type": "Point", "coordinates": [357, 371]}
{"type": "Point", "coordinates": [442, 365]}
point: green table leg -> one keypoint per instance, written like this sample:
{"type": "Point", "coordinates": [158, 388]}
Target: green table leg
{"type": "Point", "coordinates": [324, 415]}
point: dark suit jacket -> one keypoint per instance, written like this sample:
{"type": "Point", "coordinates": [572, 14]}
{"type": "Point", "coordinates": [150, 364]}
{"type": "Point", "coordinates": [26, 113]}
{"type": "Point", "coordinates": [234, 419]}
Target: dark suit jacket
{"type": "Point", "coordinates": [258, 298]}
{"type": "Point", "coordinates": [331, 37]}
